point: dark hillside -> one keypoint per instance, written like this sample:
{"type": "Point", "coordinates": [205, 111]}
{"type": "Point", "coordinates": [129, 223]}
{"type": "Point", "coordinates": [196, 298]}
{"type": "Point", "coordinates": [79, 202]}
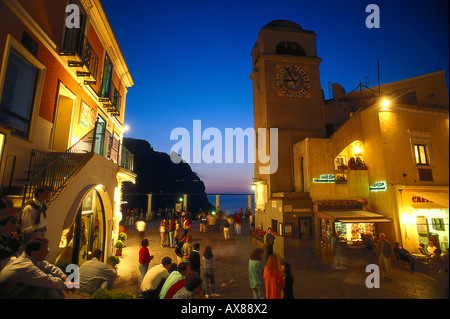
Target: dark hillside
{"type": "Point", "coordinates": [157, 174]}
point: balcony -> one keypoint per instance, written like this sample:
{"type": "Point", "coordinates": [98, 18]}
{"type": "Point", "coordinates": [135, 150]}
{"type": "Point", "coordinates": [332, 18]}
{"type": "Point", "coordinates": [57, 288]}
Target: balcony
{"type": "Point", "coordinates": [80, 55]}
{"type": "Point", "coordinates": [110, 97]}
{"type": "Point", "coordinates": [341, 185]}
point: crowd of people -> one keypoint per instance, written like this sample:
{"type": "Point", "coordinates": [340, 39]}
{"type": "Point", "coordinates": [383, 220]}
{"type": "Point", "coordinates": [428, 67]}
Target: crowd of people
{"type": "Point", "coordinates": [192, 274]}
{"type": "Point", "coordinates": [25, 273]}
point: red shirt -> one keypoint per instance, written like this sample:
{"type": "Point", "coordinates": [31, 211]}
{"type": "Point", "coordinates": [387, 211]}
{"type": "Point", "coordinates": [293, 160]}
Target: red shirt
{"type": "Point", "coordinates": [144, 255]}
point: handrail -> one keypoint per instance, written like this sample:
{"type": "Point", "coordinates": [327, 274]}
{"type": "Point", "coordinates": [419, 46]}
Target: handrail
{"type": "Point", "coordinates": [62, 168]}
{"type": "Point", "coordinates": [59, 171]}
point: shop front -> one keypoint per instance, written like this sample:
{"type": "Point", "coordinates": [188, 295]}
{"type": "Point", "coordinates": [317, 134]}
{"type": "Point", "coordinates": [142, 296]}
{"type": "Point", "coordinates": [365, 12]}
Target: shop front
{"type": "Point", "coordinates": [424, 217]}
{"type": "Point", "coordinates": [85, 234]}
{"type": "Point", "coordinates": [356, 230]}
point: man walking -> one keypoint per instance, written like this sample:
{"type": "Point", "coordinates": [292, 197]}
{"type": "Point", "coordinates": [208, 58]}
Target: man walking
{"type": "Point", "coordinates": [140, 226]}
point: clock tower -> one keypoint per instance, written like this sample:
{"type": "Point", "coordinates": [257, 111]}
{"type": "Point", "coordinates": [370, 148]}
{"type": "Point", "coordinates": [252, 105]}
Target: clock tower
{"type": "Point", "coordinates": [287, 95]}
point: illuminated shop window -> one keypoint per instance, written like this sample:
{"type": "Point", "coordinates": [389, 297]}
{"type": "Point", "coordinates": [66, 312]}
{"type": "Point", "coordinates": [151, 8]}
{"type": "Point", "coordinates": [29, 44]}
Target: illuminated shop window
{"type": "Point", "coordinates": [438, 224]}
{"type": "Point", "coordinates": [85, 234]}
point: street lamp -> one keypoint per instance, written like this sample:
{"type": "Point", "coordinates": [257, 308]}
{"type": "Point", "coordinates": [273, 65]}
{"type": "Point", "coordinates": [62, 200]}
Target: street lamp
{"type": "Point", "coordinates": [385, 104]}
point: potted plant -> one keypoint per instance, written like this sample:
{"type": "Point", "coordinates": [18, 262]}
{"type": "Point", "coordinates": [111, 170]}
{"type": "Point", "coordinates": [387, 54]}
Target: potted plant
{"type": "Point", "coordinates": [123, 237]}
{"type": "Point", "coordinates": [119, 245]}
{"type": "Point", "coordinates": [113, 261]}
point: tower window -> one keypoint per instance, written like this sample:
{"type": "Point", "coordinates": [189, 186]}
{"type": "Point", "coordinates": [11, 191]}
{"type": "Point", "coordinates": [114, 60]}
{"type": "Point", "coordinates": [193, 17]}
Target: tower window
{"type": "Point", "coordinates": [290, 48]}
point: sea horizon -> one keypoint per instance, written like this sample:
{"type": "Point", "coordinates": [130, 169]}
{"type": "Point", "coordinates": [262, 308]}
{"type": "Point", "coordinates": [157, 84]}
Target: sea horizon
{"type": "Point", "coordinates": [231, 203]}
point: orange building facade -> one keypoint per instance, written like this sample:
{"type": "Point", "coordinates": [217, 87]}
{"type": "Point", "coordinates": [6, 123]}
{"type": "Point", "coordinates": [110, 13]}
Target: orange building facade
{"type": "Point", "coordinates": [63, 87]}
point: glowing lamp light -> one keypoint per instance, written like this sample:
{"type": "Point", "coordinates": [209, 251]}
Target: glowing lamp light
{"type": "Point", "coordinates": [253, 186]}
{"type": "Point", "coordinates": [385, 104]}
{"type": "Point", "coordinates": [180, 199]}
{"type": "Point", "coordinates": [357, 149]}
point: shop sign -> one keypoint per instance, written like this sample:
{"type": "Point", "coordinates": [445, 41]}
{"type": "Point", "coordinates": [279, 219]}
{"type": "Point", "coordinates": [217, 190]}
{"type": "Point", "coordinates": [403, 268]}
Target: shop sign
{"type": "Point", "coordinates": [325, 178]}
{"type": "Point", "coordinates": [331, 178]}
{"type": "Point", "coordinates": [418, 199]}
{"type": "Point", "coordinates": [378, 186]}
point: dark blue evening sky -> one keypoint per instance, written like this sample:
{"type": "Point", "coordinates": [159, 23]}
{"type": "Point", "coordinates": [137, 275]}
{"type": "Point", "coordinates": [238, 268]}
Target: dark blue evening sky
{"type": "Point", "coordinates": [190, 60]}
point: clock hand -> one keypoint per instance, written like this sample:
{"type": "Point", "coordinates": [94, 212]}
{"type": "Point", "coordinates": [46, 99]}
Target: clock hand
{"type": "Point", "coordinates": [292, 77]}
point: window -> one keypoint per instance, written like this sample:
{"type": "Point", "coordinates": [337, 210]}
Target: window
{"type": "Point", "coordinates": [421, 148]}
{"type": "Point", "coordinates": [420, 153]}
{"type": "Point", "coordinates": [106, 78]}
{"type": "Point", "coordinates": [74, 37]}
{"type": "Point", "coordinates": [19, 87]}
{"type": "Point", "coordinates": [438, 223]}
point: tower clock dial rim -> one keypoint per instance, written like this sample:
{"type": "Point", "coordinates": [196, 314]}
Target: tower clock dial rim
{"type": "Point", "coordinates": [293, 80]}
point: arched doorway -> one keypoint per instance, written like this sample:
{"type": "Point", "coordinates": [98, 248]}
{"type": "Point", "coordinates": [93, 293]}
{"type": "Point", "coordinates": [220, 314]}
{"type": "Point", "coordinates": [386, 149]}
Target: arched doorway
{"type": "Point", "coordinates": [85, 234]}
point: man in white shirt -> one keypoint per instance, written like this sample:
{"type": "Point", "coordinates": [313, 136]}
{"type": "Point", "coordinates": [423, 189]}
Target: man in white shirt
{"type": "Point", "coordinates": [34, 214]}
{"type": "Point", "coordinates": [154, 279]}
{"type": "Point", "coordinates": [431, 248]}
{"type": "Point", "coordinates": [95, 274]}
{"type": "Point", "coordinates": [31, 277]}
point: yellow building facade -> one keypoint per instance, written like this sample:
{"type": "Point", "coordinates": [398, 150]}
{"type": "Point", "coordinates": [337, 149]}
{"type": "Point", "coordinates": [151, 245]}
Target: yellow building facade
{"type": "Point", "coordinates": [380, 165]}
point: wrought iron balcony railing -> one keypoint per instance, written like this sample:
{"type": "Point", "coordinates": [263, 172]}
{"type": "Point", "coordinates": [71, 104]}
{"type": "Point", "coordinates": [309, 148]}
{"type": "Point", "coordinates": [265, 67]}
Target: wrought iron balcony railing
{"type": "Point", "coordinates": [85, 57]}
{"type": "Point", "coordinates": [110, 97]}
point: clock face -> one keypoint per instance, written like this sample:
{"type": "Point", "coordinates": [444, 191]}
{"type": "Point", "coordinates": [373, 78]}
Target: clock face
{"type": "Point", "coordinates": [293, 81]}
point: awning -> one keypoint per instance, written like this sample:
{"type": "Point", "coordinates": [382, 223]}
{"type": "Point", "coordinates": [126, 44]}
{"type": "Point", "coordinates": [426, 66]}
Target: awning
{"type": "Point", "coordinates": [440, 198]}
{"type": "Point", "coordinates": [357, 216]}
